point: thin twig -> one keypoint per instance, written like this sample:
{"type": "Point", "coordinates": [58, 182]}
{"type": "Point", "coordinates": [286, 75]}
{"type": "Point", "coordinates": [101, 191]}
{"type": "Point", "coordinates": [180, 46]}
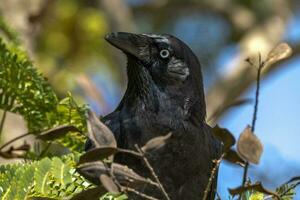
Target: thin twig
{"type": "Point", "coordinates": [19, 137]}
{"type": "Point", "coordinates": [128, 151]}
{"type": "Point", "coordinates": [152, 171]}
{"type": "Point", "coordinates": [212, 176]}
{"type": "Point", "coordinates": [139, 193]}
{"type": "Point", "coordinates": [260, 67]}
{"type": "Point", "coordinates": [289, 189]}
{"type": "Point", "coordinates": [112, 175]}
{"type": "Point", "coordinates": [245, 174]}
{"type": "Point", "coordinates": [261, 64]}
{"type": "Point", "coordinates": [2, 121]}
{"type": "Point", "coordinates": [10, 153]}
{"type": "Point", "coordinates": [15, 139]}
{"type": "Point", "coordinates": [139, 155]}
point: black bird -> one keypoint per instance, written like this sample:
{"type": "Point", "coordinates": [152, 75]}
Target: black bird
{"type": "Point", "coordinates": [165, 94]}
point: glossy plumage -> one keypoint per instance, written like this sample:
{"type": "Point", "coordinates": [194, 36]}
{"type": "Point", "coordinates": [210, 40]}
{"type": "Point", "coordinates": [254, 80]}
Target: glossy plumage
{"type": "Point", "coordinates": [164, 94]}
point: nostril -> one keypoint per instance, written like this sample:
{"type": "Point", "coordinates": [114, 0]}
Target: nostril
{"type": "Point", "coordinates": [107, 36]}
{"type": "Point", "coordinates": [110, 35]}
{"type": "Point", "coordinates": [114, 34]}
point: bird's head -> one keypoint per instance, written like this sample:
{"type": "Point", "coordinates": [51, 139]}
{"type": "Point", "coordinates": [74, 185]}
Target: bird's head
{"type": "Point", "coordinates": [163, 58]}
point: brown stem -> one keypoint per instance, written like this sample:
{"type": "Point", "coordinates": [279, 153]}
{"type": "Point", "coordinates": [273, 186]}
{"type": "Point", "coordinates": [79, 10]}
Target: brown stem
{"type": "Point", "coordinates": [127, 151]}
{"type": "Point", "coordinates": [145, 196]}
{"type": "Point", "coordinates": [245, 174]}
{"type": "Point", "coordinates": [212, 176]}
{"type": "Point", "coordinates": [15, 139]}
{"type": "Point", "coordinates": [260, 66]}
{"type": "Point", "coordinates": [152, 172]}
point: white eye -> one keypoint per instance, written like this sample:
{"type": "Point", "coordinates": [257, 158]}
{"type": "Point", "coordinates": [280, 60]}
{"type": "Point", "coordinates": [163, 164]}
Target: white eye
{"type": "Point", "coordinates": [164, 53]}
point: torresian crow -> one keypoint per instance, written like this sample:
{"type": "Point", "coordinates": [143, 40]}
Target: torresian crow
{"type": "Point", "coordinates": [165, 94]}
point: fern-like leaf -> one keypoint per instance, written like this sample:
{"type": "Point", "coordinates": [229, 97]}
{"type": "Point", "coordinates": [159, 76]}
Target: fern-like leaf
{"type": "Point", "coordinates": [23, 90]}
{"type": "Point", "coordinates": [42, 176]}
{"type": "Point", "coordinates": [61, 172]}
{"type": "Point", "coordinates": [54, 178]}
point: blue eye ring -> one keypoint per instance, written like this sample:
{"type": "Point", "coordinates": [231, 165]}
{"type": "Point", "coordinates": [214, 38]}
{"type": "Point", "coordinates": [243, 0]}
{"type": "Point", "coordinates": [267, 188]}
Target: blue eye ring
{"type": "Point", "coordinates": [164, 53]}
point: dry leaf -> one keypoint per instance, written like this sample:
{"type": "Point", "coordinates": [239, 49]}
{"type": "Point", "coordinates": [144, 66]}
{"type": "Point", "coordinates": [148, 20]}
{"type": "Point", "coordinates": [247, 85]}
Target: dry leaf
{"type": "Point", "coordinates": [99, 133]}
{"type": "Point", "coordinates": [97, 154]}
{"type": "Point", "coordinates": [249, 146]}
{"type": "Point", "coordinates": [57, 132]}
{"type": "Point", "coordinates": [225, 136]}
{"type": "Point", "coordinates": [124, 175]}
{"type": "Point", "coordinates": [233, 157]}
{"type": "Point", "coordinates": [93, 193]}
{"type": "Point", "coordinates": [281, 51]}
{"type": "Point", "coordinates": [109, 184]}
{"type": "Point", "coordinates": [156, 143]}
{"type": "Point", "coordinates": [240, 102]}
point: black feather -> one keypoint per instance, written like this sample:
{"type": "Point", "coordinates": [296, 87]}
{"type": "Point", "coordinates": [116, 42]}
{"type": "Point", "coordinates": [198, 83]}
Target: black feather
{"type": "Point", "coordinates": [165, 94]}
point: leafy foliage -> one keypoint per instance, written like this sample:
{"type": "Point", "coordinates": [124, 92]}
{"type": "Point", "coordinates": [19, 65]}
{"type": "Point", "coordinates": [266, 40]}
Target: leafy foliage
{"type": "Point", "coordinates": [26, 92]}
{"type": "Point", "coordinates": [109, 196]}
{"type": "Point", "coordinates": [68, 112]}
{"type": "Point", "coordinates": [256, 196]}
{"type": "Point", "coordinates": [23, 90]}
{"type": "Point", "coordinates": [287, 190]}
{"type": "Point", "coordinates": [51, 178]}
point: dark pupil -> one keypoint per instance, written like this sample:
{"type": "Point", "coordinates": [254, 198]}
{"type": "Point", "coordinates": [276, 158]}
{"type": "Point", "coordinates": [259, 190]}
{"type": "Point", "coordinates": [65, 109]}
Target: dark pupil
{"type": "Point", "coordinates": [164, 53]}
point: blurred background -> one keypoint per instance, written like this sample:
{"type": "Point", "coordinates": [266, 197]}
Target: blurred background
{"type": "Point", "coordinates": [65, 41]}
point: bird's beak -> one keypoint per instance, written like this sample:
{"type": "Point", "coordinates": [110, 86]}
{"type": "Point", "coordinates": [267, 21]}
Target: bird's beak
{"type": "Point", "coordinates": [129, 43]}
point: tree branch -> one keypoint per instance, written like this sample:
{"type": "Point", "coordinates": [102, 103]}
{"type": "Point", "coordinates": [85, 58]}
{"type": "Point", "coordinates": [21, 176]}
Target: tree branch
{"type": "Point", "coordinates": [228, 88]}
{"type": "Point", "coordinates": [118, 14]}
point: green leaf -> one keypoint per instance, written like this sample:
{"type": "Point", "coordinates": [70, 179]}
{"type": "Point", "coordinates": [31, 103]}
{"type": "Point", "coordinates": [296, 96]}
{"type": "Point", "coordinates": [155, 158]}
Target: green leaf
{"type": "Point", "coordinates": [16, 187]}
{"type": "Point", "coordinates": [69, 113]}
{"type": "Point", "coordinates": [42, 176]}
{"type": "Point", "coordinates": [258, 187]}
{"type": "Point", "coordinates": [61, 171]}
{"type": "Point", "coordinates": [110, 196]}
{"type": "Point", "coordinates": [54, 178]}
{"type": "Point", "coordinates": [23, 89]}
{"type": "Point", "coordinates": [23, 185]}
{"type": "Point", "coordinates": [287, 190]}
{"type": "Point", "coordinates": [7, 174]}
{"type": "Point", "coordinates": [257, 196]}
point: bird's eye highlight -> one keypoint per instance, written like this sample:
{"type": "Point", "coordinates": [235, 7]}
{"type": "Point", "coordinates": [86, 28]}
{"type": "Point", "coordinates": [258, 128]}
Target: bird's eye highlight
{"type": "Point", "coordinates": [164, 53]}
